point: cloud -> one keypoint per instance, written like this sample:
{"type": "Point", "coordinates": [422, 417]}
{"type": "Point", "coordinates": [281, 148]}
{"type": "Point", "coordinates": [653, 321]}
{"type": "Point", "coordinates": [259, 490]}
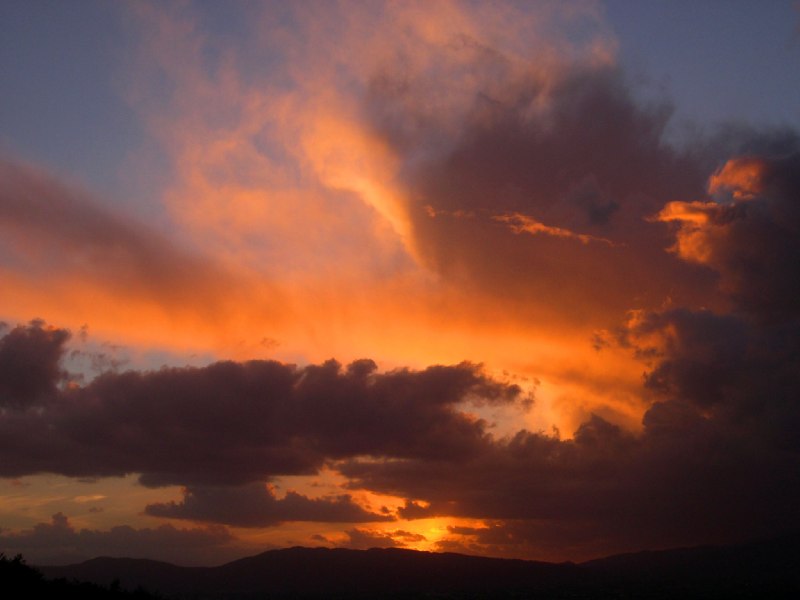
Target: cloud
{"type": "Point", "coordinates": [749, 234]}
{"type": "Point", "coordinates": [53, 229]}
{"type": "Point", "coordinates": [717, 441]}
{"type": "Point", "coordinates": [374, 114]}
{"type": "Point", "coordinates": [361, 539]}
{"type": "Point", "coordinates": [718, 436]}
{"type": "Point", "coordinates": [589, 167]}
{"type": "Point", "coordinates": [395, 150]}
{"type": "Point", "coordinates": [686, 482]}
{"type": "Point", "coordinates": [58, 542]}
{"type": "Point", "coordinates": [722, 371]}
{"type": "Point", "coordinates": [524, 476]}
{"type": "Point", "coordinates": [30, 364]}
{"type": "Point", "coordinates": [364, 539]}
{"type": "Point", "coordinates": [366, 116]}
{"type": "Point", "coordinates": [255, 505]}
{"type": "Point", "coordinates": [519, 223]}
{"type": "Point", "coordinates": [232, 423]}
{"type": "Point", "coordinates": [65, 253]}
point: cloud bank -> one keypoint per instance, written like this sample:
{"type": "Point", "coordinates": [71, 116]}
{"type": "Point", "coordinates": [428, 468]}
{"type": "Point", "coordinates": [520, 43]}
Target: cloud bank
{"type": "Point", "coordinates": [59, 542]}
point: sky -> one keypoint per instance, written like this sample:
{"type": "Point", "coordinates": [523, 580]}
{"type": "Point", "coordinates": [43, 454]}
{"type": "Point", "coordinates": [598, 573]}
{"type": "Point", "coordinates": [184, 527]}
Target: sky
{"type": "Point", "coordinates": [517, 279]}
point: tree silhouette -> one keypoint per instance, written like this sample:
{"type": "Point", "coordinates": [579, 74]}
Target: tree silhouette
{"type": "Point", "coordinates": [20, 580]}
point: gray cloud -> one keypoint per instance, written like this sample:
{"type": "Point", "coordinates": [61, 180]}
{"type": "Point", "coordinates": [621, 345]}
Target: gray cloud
{"type": "Point", "coordinates": [233, 423]}
{"type": "Point", "coordinates": [255, 505]}
{"type": "Point", "coordinates": [590, 165]}
{"type": "Point", "coordinates": [52, 230]}
{"type": "Point", "coordinates": [364, 539]}
{"type": "Point", "coordinates": [30, 364]}
{"type": "Point", "coordinates": [58, 542]}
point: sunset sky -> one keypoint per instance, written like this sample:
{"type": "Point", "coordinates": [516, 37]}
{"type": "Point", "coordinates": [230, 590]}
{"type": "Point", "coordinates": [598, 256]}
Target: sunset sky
{"type": "Point", "coordinates": [519, 279]}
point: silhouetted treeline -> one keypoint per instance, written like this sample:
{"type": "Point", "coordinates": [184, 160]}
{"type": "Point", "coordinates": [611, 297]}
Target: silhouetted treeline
{"type": "Point", "coordinates": [20, 580]}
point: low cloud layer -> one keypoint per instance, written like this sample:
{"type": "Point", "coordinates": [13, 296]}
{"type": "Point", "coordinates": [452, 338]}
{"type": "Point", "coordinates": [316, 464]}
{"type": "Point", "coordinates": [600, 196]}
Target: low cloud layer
{"type": "Point", "coordinates": [233, 423]}
{"type": "Point", "coordinates": [718, 441]}
{"type": "Point", "coordinates": [59, 542]}
{"type": "Point", "coordinates": [255, 505]}
{"type": "Point", "coordinates": [364, 539]}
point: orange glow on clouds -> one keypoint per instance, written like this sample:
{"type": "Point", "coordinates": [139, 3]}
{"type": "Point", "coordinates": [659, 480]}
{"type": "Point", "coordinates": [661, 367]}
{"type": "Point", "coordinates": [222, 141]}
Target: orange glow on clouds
{"type": "Point", "coordinates": [742, 177]}
{"type": "Point", "coordinates": [699, 234]}
{"type": "Point", "coordinates": [294, 204]}
{"type": "Point", "coordinates": [524, 224]}
{"type": "Point", "coordinates": [692, 242]}
{"type": "Point", "coordinates": [292, 237]}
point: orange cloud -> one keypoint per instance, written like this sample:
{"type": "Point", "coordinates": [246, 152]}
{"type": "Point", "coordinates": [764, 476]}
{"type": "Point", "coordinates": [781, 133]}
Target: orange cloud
{"type": "Point", "coordinates": [692, 242]}
{"type": "Point", "coordinates": [292, 214]}
{"type": "Point", "coordinates": [704, 225]}
{"type": "Point", "coordinates": [742, 177]}
{"type": "Point", "coordinates": [286, 176]}
{"type": "Point", "coordinates": [520, 223]}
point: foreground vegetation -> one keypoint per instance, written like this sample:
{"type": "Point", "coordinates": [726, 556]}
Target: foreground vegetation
{"type": "Point", "coordinates": [20, 580]}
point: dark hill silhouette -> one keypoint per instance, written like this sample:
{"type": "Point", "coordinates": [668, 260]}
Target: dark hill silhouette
{"type": "Point", "coordinates": [766, 569]}
{"type": "Point", "coordinates": [758, 570]}
{"type": "Point", "coordinates": [19, 580]}
{"type": "Point", "coordinates": [331, 573]}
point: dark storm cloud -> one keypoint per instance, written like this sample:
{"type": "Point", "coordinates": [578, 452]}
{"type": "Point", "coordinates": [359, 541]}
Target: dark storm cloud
{"type": "Point", "coordinates": [232, 423]}
{"type": "Point", "coordinates": [687, 480]}
{"type": "Point", "coordinates": [580, 162]}
{"type": "Point", "coordinates": [528, 475]}
{"type": "Point", "coordinates": [255, 505]}
{"type": "Point", "coordinates": [579, 157]}
{"type": "Point", "coordinates": [725, 371]}
{"type": "Point", "coordinates": [59, 542]}
{"type": "Point", "coordinates": [30, 364]}
{"type": "Point", "coordinates": [718, 458]}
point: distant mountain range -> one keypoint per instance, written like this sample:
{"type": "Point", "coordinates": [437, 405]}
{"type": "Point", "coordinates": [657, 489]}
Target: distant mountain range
{"type": "Point", "coordinates": [757, 570]}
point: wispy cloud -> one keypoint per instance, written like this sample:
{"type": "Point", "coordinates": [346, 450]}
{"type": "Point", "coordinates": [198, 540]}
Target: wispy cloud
{"type": "Point", "coordinates": [519, 223]}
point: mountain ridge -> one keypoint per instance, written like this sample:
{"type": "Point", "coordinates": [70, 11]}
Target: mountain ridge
{"type": "Point", "coordinates": [765, 569]}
